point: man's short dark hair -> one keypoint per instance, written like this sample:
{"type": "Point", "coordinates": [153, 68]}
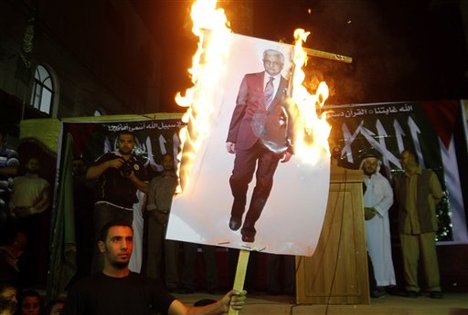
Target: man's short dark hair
{"type": "Point", "coordinates": [413, 153]}
{"type": "Point", "coordinates": [105, 229]}
{"type": "Point", "coordinates": [126, 132]}
{"type": "Point", "coordinates": [51, 304]}
{"type": "Point", "coordinates": [30, 293]}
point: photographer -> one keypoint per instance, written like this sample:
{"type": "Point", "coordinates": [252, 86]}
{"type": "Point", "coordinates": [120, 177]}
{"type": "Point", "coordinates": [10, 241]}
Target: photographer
{"type": "Point", "coordinates": [119, 175]}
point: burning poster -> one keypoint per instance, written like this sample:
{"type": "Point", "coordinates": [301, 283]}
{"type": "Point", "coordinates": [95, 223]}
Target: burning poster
{"type": "Point", "coordinates": [242, 142]}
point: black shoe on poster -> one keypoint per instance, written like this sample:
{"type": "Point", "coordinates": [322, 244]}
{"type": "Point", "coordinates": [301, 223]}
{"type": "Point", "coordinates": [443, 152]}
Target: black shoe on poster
{"type": "Point", "coordinates": [235, 223]}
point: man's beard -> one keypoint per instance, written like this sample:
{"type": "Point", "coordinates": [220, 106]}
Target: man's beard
{"type": "Point", "coordinates": [119, 264]}
{"type": "Point", "coordinates": [127, 152]}
{"type": "Point", "coordinates": [369, 173]}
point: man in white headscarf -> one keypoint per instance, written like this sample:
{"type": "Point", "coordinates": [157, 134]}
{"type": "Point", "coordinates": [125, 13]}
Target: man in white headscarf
{"type": "Point", "coordinates": [378, 198]}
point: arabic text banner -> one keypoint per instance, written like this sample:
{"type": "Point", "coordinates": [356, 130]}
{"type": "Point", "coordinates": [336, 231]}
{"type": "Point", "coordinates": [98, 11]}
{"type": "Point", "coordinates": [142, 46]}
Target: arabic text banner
{"type": "Point", "coordinates": [428, 128]}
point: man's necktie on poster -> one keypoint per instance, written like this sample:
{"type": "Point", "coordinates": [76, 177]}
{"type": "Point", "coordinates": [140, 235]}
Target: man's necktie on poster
{"type": "Point", "coordinates": [269, 92]}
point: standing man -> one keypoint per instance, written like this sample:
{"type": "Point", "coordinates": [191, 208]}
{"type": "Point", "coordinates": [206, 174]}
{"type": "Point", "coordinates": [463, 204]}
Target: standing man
{"type": "Point", "coordinates": [119, 175]}
{"type": "Point", "coordinates": [418, 192]}
{"type": "Point", "coordinates": [258, 112]}
{"type": "Point", "coordinates": [9, 164]}
{"type": "Point", "coordinates": [161, 191]}
{"type": "Point", "coordinates": [378, 198]}
{"type": "Point", "coordinates": [30, 193]}
{"type": "Point", "coordinates": [30, 198]}
{"type": "Point", "coordinates": [117, 290]}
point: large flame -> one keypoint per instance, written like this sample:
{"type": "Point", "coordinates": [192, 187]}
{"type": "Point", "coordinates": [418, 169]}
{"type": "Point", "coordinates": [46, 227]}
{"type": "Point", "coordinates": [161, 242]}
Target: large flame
{"type": "Point", "coordinates": [210, 25]}
{"type": "Point", "coordinates": [310, 131]}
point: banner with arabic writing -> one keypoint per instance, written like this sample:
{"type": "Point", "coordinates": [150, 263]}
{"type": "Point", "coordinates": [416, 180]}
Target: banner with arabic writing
{"type": "Point", "coordinates": [154, 138]}
{"type": "Point", "coordinates": [424, 127]}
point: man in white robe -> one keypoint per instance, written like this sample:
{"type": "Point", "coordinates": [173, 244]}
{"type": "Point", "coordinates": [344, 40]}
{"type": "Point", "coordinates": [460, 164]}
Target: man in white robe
{"type": "Point", "coordinates": [378, 198]}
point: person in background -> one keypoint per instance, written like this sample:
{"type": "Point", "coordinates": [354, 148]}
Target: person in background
{"type": "Point", "coordinates": [30, 303]}
{"type": "Point", "coordinates": [55, 307]}
{"type": "Point", "coordinates": [378, 198]}
{"type": "Point", "coordinates": [160, 193]}
{"type": "Point", "coordinates": [12, 245]}
{"type": "Point", "coordinates": [30, 193]}
{"type": "Point", "coordinates": [8, 301]}
{"type": "Point", "coordinates": [117, 290]}
{"type": "Point", "coordinates": [136, 261]}
{"type": "Point", "coordinates": [9, 165]}
{"type": "Point", "coordinates": [418, 191]}
{"type": "Point", "coordinates": [30, 198]}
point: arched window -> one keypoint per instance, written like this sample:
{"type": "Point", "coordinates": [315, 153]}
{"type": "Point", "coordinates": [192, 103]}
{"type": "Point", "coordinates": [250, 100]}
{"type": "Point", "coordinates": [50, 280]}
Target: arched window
{"type": "Point", "coordinates": [43, 90]}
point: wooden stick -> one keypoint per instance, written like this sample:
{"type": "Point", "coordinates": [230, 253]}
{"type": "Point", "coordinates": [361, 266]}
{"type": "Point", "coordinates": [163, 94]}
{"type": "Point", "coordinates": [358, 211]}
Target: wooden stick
{"type": "Point", "coordinates": [327, 55]}
{"type": "Point", "coordinates": [240, 274]}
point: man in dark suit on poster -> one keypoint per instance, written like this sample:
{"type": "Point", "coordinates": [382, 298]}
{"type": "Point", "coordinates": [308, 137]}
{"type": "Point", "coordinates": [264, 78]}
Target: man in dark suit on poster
{"type": "Point", "coordinates": [259, 136]}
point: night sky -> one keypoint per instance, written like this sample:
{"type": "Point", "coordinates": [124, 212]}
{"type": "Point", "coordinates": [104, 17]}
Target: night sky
{"type": "Point", "coordinates": [402, 50]}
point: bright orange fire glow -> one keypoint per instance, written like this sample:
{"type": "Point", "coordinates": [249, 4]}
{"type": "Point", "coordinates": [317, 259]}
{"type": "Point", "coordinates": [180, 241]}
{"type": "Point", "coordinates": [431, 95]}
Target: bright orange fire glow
{"type": "Point", "coordinates": [310, 132]}
{"type": "Point", "coordinates": [210, 25]}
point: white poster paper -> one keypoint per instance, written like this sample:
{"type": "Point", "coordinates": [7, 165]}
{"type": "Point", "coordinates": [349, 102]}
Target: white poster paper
{"type": "Point", "coordinates": [292, 218]}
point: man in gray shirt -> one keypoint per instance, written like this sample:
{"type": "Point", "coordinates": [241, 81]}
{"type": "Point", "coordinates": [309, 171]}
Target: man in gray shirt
{"type": "Point", "coordinates": [160, 193]}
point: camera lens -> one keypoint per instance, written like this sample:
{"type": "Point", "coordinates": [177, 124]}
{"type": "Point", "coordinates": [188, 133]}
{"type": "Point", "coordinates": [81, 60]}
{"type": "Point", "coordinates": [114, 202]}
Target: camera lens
{"type": "Point", "coordinates": [126, 169]}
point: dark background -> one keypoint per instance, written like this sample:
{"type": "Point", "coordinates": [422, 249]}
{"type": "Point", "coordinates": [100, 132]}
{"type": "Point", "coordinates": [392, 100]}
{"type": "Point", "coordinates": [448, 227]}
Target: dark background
{"type": "Point", "coordinates": [402, 50]}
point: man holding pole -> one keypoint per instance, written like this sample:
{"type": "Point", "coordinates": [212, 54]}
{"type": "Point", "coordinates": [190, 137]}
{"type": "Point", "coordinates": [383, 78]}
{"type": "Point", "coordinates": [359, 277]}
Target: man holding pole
{"type": "Point", "coordinates": [117, 290]}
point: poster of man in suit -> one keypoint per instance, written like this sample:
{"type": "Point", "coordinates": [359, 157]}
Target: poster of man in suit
{"type": "Point", "coordinates": [239, 194]}
{"type": "Point", "coordinates": [258, 138]}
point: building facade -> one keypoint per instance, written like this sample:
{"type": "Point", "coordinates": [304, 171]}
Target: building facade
{"type": "Point", "coordinates": [75, 58]}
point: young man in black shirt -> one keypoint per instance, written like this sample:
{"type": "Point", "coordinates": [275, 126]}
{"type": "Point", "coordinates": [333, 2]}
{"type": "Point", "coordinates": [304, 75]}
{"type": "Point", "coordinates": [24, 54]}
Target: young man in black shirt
{"type": "Point", "coordinates": [116, 290]}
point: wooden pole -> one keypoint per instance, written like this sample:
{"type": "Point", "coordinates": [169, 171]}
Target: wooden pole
{"type": "Point", "coordinates": [240, 274]}
{"type": "Point", "coordinates": [327, 55]}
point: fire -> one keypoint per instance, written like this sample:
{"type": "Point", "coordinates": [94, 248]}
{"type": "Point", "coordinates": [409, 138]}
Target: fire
{"type": "Point", "coordinates": [211, 27]}
{"type": "Point", "coordinates": [310, 132]}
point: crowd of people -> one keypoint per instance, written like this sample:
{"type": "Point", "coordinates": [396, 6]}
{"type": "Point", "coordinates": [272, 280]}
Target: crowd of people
{"type": "Point", "coordinates": [24, 199]}
{"type": "Point", "coordinates": [120, 184]}
{"type": "Point", "coordinates": [114, 180]}
{"type": "Point", "coordinates": [27, 302]}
